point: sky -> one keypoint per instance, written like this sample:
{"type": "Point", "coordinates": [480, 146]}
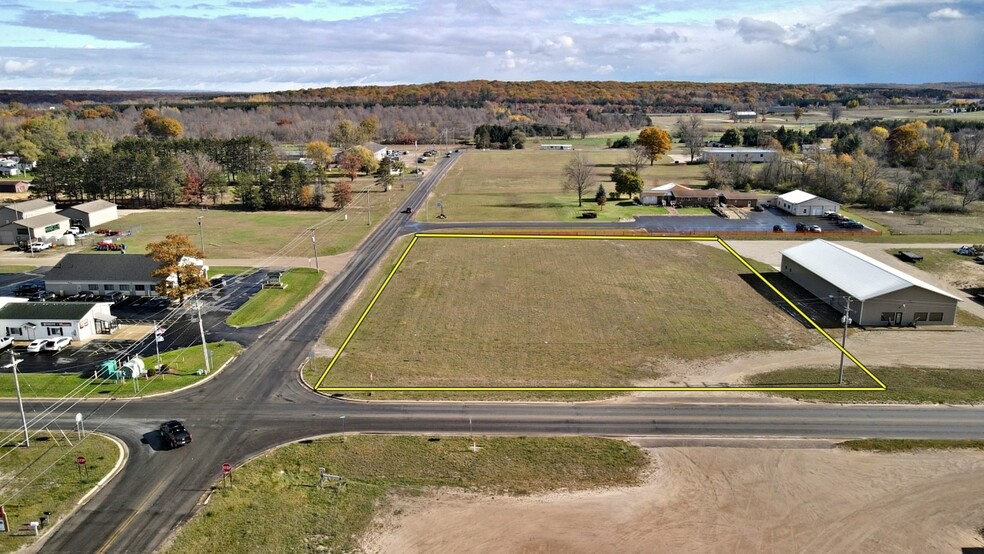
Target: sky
{"type": "Point", "coordinates": [273, 45]}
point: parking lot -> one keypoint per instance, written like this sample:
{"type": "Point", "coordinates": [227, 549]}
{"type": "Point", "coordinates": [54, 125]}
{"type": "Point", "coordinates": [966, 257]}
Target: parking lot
{"type": "Point", "coordinates": [136, 316]}
{"type": "Point", "coordinates": [764, 221]}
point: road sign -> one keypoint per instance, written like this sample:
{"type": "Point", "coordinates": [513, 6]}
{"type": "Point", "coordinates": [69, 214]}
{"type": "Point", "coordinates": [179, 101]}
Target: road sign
{"type": "Point", "coordinates": [80, 460]}
{"type": "Point", "coordinates": [227, 468]}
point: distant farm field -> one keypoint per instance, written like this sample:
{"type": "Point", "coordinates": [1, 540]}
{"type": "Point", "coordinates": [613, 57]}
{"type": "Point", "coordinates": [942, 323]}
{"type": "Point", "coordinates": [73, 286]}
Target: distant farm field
{"type": "Point", "coordinates": [526, 185]}
{"type": "Point", "coordinates": [490, 312]}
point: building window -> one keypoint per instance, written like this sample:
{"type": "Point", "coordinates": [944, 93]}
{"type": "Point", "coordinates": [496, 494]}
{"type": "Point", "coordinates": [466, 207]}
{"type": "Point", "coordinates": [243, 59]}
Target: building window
{"type": "Point", "coordinates": [888, 316]}
{"type": "Point", "coordinates": [124, 287]}
{"type": "Point", "coordinates": [55, 331]}
{"type": "Point", "coordinates": [11, 331]}
{"type": "Point", "coordinates": [936, 316]}
{"type": "Point", "coordinates": [140, 287]}
{"type": "Point", "coordinates": [920, 316]}
{"type": "Point", "coordinates": [109, 287]}
{"type": "Point", "coordinates": [94, 287]}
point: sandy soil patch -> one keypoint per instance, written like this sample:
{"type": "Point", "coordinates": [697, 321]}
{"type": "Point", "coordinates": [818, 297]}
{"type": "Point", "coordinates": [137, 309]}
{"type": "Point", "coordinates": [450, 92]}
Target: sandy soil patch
{"type": "Point", "coordinates": [719, 500]}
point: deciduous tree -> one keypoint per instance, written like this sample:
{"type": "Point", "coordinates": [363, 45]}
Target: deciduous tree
{"type": "Point", "coordinates": [578, 176]}
{"type": "Point", "coordinates": [341, 194]}
{"type": "Point", "coordinates": [656, 142]}
{"type": "Point", "coordinates": [169, 253]}
{"type": "Point", "coordinates": [692, 133]}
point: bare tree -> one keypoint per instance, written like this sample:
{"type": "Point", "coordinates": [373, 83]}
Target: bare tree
{"type": "Point", "coordinates": [972, 190]}
{"type": "Point", "coordinates": [836, 110]}
{"type": "Point", "coordinates": [692, 133]}
{"type": "Point", "coordinates": [636, 159]}
{"type": "Point", "coordinates": [578, 176]}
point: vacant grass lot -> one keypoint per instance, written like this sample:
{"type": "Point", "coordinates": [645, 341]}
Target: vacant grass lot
{"type": "Point", "coordinates": [550, 312]}
{"type": "Point", "coordinates": [526, 185]}
{"type": "Point", "coordinates": [271, 304]}
{"type": "Point", "coordinates": [183, 364]}
{"type": "Point", "coordinates": [275, 505]}
{"type": "Point", "coordinates": [45, 478]}
{"type": "Point", "coordinates": [17, 268]}
{"type": "Point", "coordinates": [905, 384]}
{"type": "Point", "coordinates": [236, 234]}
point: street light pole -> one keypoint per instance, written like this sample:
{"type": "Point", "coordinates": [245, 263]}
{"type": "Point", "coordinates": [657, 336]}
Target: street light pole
{"type": "Point", "coordinates": [20, 401]}
{"type": "Point", "coordinates": [201, 329]}
{"type": "Point", "coordinates": [368, 208]}
{"type": "Point", "coordinates": [201, 233]}
{"type": "Point", "coordinates": [314, 244]}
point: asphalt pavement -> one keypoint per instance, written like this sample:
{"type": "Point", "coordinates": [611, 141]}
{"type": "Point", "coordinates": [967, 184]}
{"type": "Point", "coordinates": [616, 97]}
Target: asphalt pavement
{"type": "Point", "coordinates": [258, 402]}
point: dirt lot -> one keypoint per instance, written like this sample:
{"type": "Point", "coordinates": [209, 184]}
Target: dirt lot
{"type": "Point", "coordinates": [720, 500]}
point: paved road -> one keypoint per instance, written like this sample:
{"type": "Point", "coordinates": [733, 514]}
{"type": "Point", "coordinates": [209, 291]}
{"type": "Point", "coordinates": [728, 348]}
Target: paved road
{"type": "Point", "coordinates": [258, 403]}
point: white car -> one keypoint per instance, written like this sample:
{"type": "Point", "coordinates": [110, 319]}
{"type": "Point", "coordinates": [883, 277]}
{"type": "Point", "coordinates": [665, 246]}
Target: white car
{"type": "Point", "coordinates": [36, 345]}
{"type": "Point", "coordinates": [56, 344]}
{"type": "Point", "coordinates": [5, 342]}
{"type": "Point", "coordinates": [38, 246]}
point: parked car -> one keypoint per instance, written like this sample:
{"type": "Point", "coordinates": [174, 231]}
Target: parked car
{"type": "Point", "coordinates": [27, 289]}
{"type": "Point", "coordinates": [815, 229]}
{"type": "Point", "coordinates": [36, 345]}
{"type": "Point", "coordinates": [777, 229]}
{"type": "Point", "coordinates": [967, 251]}
{"type": "Point", "coordinates": [41, 296]}
{"type": "Point", "coordinates": [56, 344]}
{"type": "Point", "coordinates": [38, 246]}
{"type": "Point", "coordinates": [801, 227]}
{"type": "Point", "coordinates": [116, 297]}
{"type": "Point", "coordinates": [909, 256]}
{"type": "Point", "coordinates": [852, 225]}
{"type": "Point", "coordinates": [174, 433]}
{"type": "Point", "coordinates": [757, 208]}
{"type": "Point", "coordinates": [5, 342]}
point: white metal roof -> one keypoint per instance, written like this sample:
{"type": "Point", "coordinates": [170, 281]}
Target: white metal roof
{"type": "Point", "coordinates": [852, 272]}
{"type": "Point", "coordinates": [663, 188]}
{"type": "Point", "coordinates": [796, 197]}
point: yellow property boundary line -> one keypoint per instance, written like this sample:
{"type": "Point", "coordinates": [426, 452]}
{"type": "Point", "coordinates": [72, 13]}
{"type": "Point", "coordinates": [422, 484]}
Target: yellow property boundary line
{"type": "Point", "coordinates": [880, 387]}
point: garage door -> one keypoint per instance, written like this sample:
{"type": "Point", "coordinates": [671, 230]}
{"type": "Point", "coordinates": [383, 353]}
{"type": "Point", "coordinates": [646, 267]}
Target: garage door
{"type": "Point", "coordinates": [816, 210]}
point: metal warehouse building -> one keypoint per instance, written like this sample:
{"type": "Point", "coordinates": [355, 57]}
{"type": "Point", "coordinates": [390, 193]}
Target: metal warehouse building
{"type": "Point", "coordinates": [92, 214]}
{"type": "Point", "coordinates": [878, 294]}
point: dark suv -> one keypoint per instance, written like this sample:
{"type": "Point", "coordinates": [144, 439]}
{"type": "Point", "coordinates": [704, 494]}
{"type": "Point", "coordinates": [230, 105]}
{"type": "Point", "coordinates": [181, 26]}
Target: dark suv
{"type": "Point", "coordinates": [174, 433]}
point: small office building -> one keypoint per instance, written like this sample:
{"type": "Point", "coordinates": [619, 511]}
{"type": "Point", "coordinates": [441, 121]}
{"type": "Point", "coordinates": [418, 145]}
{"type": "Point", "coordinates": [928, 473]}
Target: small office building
{"type": "Point", "coordinates": [41, 320]}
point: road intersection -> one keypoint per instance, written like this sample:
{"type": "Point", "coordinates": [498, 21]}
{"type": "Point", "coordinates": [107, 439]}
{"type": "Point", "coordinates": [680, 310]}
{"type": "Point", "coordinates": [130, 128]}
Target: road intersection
{"type": "Point", "coordinates": [258, 402]}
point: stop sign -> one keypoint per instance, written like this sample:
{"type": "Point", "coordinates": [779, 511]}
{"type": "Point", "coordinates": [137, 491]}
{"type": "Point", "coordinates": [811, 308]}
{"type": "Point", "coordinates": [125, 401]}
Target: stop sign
{"type": "Point", "coordinates": [226, 468]}
{"type": "Point", "coordinates": [80, 460]}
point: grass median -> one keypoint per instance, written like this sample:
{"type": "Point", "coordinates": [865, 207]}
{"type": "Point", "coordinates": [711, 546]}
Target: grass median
{"type": "Point", "coordinates": [276, 505]}
{"type": "Point", "coordinates": [182, 363]}
{"type": "Point", "coordinates": [46, 478]}
{"type": "Point", "coordinates": [271, 304]}
{"type": "Point", "coordinates": [905, 385]}
{"type": "Point", "coordinates": [910, 445]}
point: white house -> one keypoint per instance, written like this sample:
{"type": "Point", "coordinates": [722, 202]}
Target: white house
{"type": "Point", "coordinates": [378, 150]}
{"type": "Point", "coordinates": [41, 320]}
{"type": "Point", "coordinates": [658, 196]}
{"type": "Point", "coordinates": [802, 203]}
{"type": "Point", "coordinates": [878, 294]}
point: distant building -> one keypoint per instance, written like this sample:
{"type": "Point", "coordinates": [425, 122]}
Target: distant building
{"type": "Point", "coordinates": [42, 320]}
{"type": "Point", "coordinates": [14, 186]}
{"type": "Point", "coordinates": [92, 214]}
{"type": "Point", "coordinates": [47, 227]}
{"type": "Point", "coordinates": [103, 274]}
{"type": "Point", "coordinates": [740, 155]}
{"type": "Point", "coordinates": [802, 203]}
{"type": "Point", "coordinates": [556, 147]}
{"type": "Point", "coordinates": [378, 150]}
{"type": "Point", "coordinates": [23, 210]}
{"type": "Point", "coordinates": [745, 116]}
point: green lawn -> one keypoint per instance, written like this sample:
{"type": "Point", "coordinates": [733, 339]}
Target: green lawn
{"type": "Point", "coordinates": [535, 313]}
{"type": "Point", "coordinates": [45, 478]}
{"type": "Point", "coordinates": [526, 185]}
{"type": "Point", "coordinates": [17, 268]}
{"type": "Point", "coordinates": [271, 304]}
{"type": "Point", "coordinates": [235, 234]}
{"type": "Point", "coordinates": [275, 505]}
{"type": "Point", "coordinates": [695, 211]}
{"type": "Point", "coordinates": [905, 384]}
{"type": "Point", "coordinates": [183, 364]}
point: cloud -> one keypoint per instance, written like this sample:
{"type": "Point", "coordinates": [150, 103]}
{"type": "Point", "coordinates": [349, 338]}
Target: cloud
{"type": "Point", "coordinates": [757, 30]}
{"type": "Point", "coordinates": [946, 13]}
{"type": "Point", "coordinates": [15, 66]}
{"type": "Point", "coordinates": [604, 69]}
{"type": "Point", "coordinates": [662, 36]}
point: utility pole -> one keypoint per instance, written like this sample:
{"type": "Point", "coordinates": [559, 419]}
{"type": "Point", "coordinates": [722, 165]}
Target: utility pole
{"type": "Point", "coordinates": [368, 208]}
{"type": "Point", "coordinates": [201, 329]}
{"type": "Point", "coordinates": [847, 321]}
{"type": "Point", "coordinates": [315, 245]}
{"type": "Point", "coordinates": [201, 233]}
{"type": "Point", "coordinates": [20, 401]}
{"type": "Point", "coordinates": [157, 341]}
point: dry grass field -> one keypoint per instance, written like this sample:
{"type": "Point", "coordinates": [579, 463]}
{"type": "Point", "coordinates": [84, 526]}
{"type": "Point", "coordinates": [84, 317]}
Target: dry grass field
{"type": "Point", "coordinates": [553, 312]}
{"type": "Point", "coordinates": [526, 185]}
